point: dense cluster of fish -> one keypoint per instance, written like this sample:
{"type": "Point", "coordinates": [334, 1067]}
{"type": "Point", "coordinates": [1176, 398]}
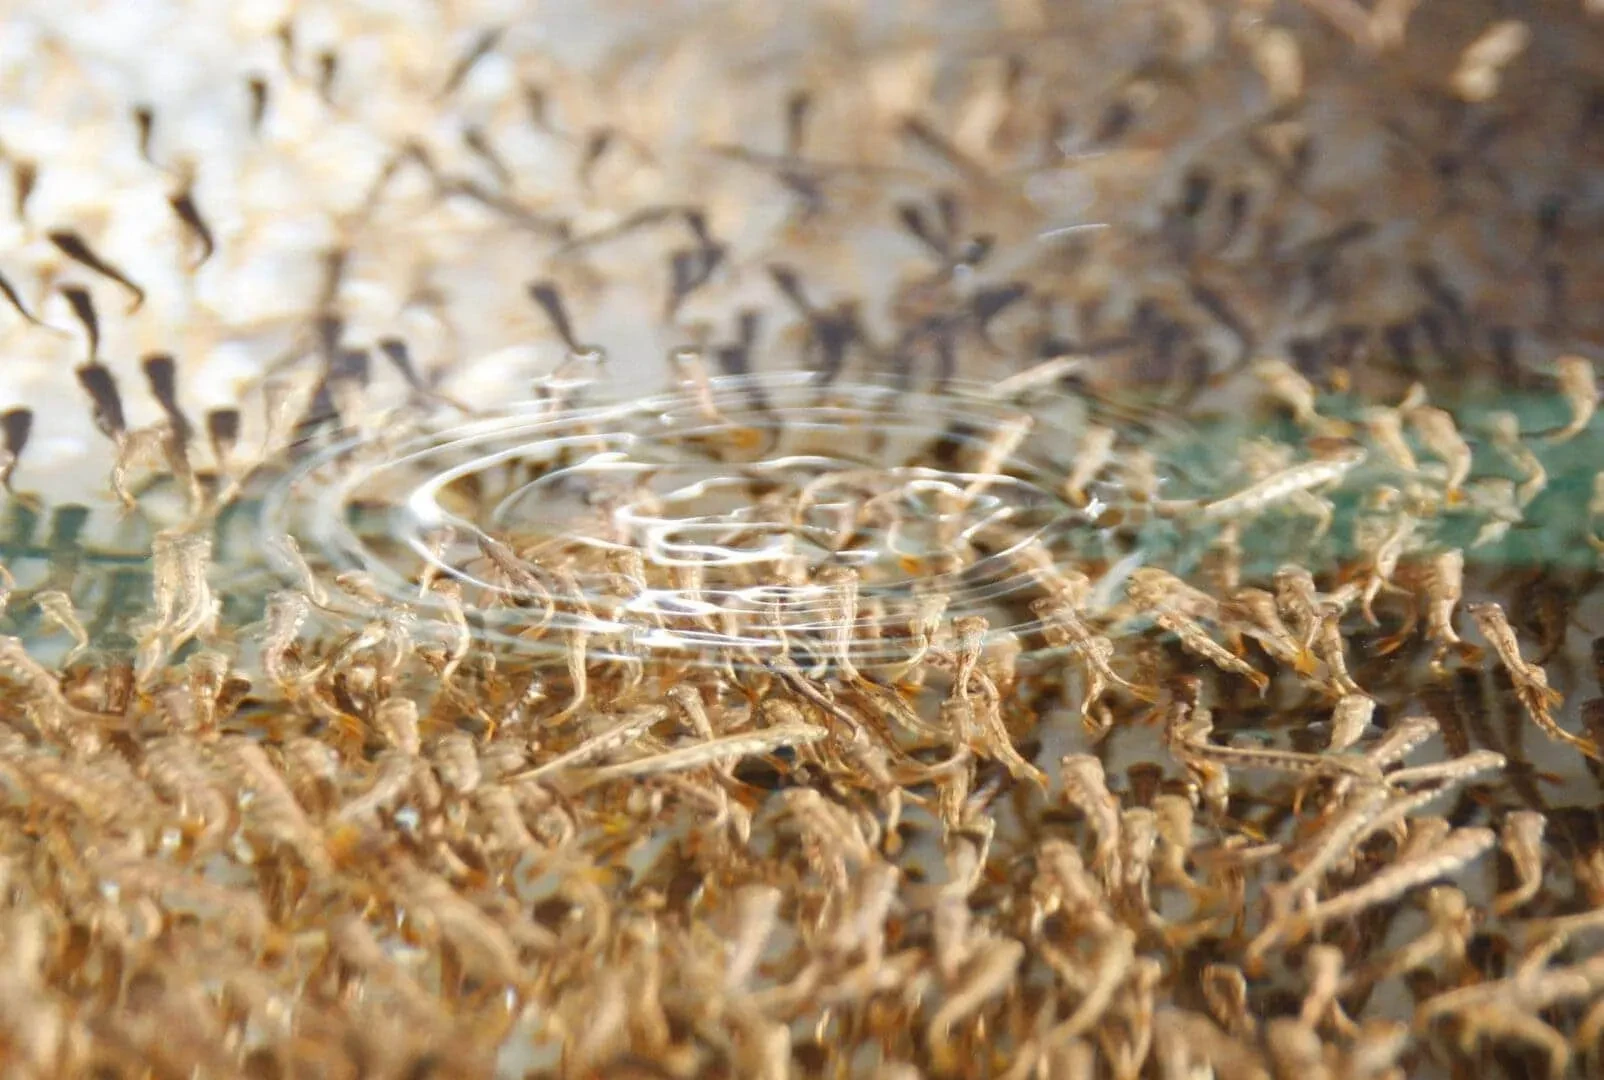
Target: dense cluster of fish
{"type": "Point", "coordinates": [1099, 587]}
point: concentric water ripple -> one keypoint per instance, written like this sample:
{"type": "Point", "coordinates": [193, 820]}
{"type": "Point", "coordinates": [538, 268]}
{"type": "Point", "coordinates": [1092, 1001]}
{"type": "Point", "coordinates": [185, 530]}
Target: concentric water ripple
{"type": "Point", "coordinates": [730, 524]}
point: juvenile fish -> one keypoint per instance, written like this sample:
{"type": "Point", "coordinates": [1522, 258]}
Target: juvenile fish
{"type": "Point", "coordinates": [161, 373]}
{"type": "Point", "coordinates": [15, 427]}
{"type": "Point", "coordinates": [1579, 384]}
{"type": "Point", "coordinates": [15, 300]}
{"type": "Point", "coordinates": [83, 306]}
{"type": "Point", "coordinates": [708, 753]}
{"type": "Point", "coordinates": [1274, 488]}
{"type": "Point", "coordinates": [101, 386]}
{"type": "Point", "coordinates": [183, 205]}
{"type": "Point", "coordinates": [72, 245]}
